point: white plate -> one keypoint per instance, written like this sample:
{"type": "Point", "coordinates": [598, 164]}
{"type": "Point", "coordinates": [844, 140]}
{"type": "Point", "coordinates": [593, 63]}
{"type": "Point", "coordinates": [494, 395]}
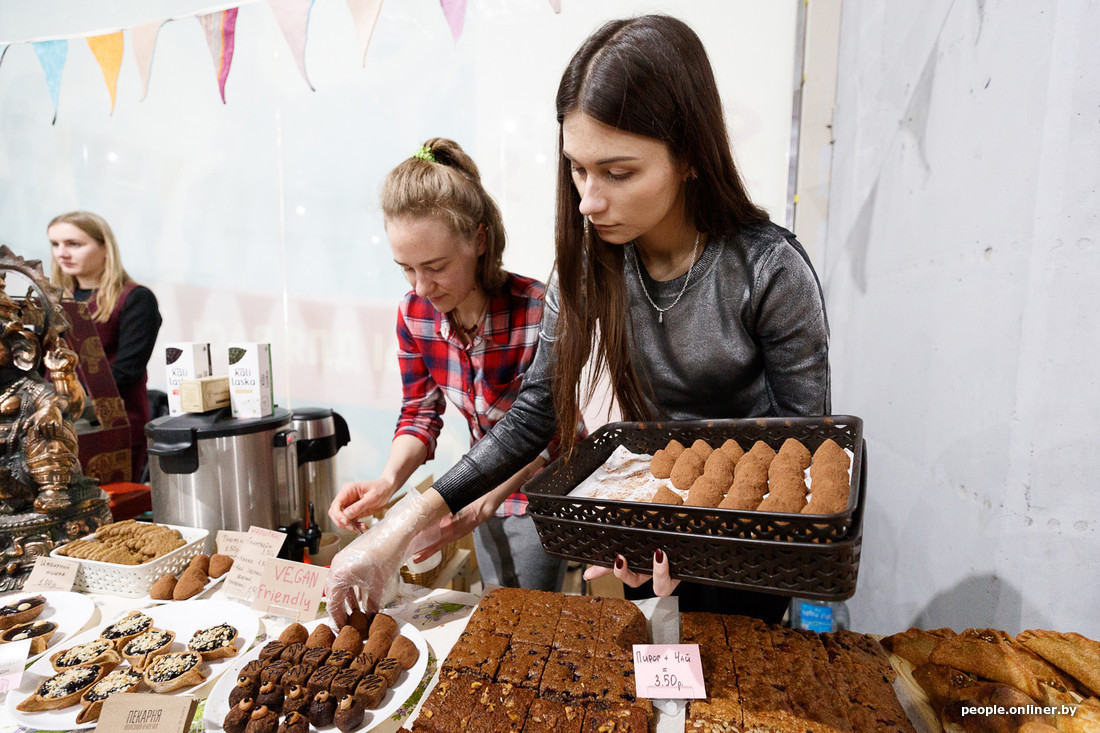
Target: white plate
{"type": "Point", "coordinates": [147, 601]}
{"type": "Point", "coordinates": [182, 617]}
{"type": "Point", "coordinates": [70, 611]}
{"type": "Point", "coordinates": [217, 705]}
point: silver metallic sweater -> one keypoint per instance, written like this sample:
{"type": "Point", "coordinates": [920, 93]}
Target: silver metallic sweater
{"type": "Point", "coordinates": [749, 338]}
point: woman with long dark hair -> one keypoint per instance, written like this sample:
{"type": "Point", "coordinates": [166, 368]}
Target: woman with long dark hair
{"type": "Point", "coordinates": [668, 280]}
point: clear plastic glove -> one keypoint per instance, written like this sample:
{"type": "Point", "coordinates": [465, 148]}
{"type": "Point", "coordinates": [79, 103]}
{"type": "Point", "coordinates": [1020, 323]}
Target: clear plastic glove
{"type": "Point", "coordinates": [663, 583]}
{"type": "Point", "coordinates": [365, 573]}
{"type": "Point", "coordinates": [455, 526]}
{"type": "Point", "coordinates": [359, 499]}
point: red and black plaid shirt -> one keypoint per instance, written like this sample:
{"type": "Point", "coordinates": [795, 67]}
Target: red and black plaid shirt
{"type": "Point", "coordinates": [481, 380]}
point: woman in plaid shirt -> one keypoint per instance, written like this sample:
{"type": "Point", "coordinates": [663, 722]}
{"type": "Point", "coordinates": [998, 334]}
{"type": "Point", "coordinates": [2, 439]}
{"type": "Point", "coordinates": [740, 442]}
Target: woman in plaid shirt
{"type": "Point", "coordinates": [466, 334]}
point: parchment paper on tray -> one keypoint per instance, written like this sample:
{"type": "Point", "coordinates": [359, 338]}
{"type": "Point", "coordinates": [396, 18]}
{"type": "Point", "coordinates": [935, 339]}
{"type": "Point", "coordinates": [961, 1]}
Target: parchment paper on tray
{"type": "Point", "coordinates": [624, 476]}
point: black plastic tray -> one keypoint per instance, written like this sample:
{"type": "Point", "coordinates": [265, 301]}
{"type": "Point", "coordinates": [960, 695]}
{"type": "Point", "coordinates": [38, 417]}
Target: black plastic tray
{"type": "Point", "coordinates": [810, 555]}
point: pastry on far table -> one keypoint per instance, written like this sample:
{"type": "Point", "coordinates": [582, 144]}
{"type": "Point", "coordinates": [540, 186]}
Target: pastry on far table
{"type": "Point", "coordinates": [64, 688]}
{"type": "Point", "coordinates": [1073, 653]}
{"type": "Point", "coordinates": [38, 631]}
{"type": "Point", "coordinates": [322, 636]}
{"type": "Point", "coordinates": [339, 659]}
{"type": "Point", "coordinates": [344, 682]}
{"type": "Point", "coordinates": [294, 634]}
{"type": "Point", "coordinates": [215, 642]}
{"type": "Point", "coordinates": [916, 645]}
{"type": "Point", "coordinates": [370, 690]}
{"type": "Point", "coordinates": [219, 565]}
{"type": "Point", "coordinates": [322, 709]}
{"type": "Point", "coordinates": [274, 672]}
{"type": "Point", "coordinates": [348, 640]}
{"type": "Point", "coordinates": [293, 653]}
{"type": "Point", "coordinates": [253, 670]}
{"type": "Point", "coordinates": [349, 714]}
{"type": "Point", "coordinates": [388, 669]}
{"type": "Point", "coordinates": [140, 650]}
{"type": "Point", "coordinates": [119, 680]}
{"type": "Point", "coordinates": [315, 656]}
{"type": "Point", "coordinates": [126, 628]}
{"type": "Point", "coordinates": [383, 624]}
{"type": "Point", "coordinates": [321, 679]}
{"type": "Point", "coordinates": [190, 584]}
{"type": "Point", "coordinates": [360, 621]}
{"type": "Point", "coordinates": [295, 722]}
{"type": "Point", "coordinates": [262, 720]}
{"type": "Point", "coordinates": [21, 610]}
{"type": "Point", "coordinates": [246, 687]}
{"type": "Point", "coordinates": [172, 671]}
{"type": "Point", "coordinates": [202, 562]}
{"type": "Point", "coordinates": [271, 695]}
{"type": "Point", "coordinates": [163, 588]}
{"type": "Point", "coordinates": [404, 651]}
{"type": "Point", "coordinates": [238, 716]}
{"type": "Point", "coordinates": [92, 652]}
{"type": "Point", "coordinates": [298, 674]}
{"type": "Point", "coordinates": [271, 651]}
{"type": "Point", "coordinates": [297, 700]}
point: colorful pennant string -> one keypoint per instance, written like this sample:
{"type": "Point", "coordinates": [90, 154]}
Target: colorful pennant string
{"type": "Point", "coordinates": [220, 29]}
{"type": "Point", "coordinates": [365, 15]}
{"type": "Point", "coordinates": [293, 18]}
{"type": "Point", "coordinates": [51, 54]}
{"type": "Point", "coordinates": [455, 13]}
{"type": "Point", "coordinates": [144, 39]}
{"type": "Point", "coordinates": [107, 50]}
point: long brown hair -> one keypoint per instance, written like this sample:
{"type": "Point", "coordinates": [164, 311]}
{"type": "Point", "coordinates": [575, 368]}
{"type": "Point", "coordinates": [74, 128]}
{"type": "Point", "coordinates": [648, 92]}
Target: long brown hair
{"type": "Point", "coordinates": [449, 188]}
{"type": "Point", "coordinates": [114, 277]}
{"type": "Point", "coordinates": [649, 76]}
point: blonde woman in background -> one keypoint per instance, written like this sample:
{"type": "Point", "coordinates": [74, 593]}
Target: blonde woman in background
{"type": "Point", "coordinates": [86, 263]}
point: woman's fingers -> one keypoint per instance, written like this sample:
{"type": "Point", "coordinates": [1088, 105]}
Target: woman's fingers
{"type": "Point", "coordinates": [595, 571]}
{"type": "Point", "coordinates": [628, 576]}
{"type": "Point", "coordinates": [663, 584]}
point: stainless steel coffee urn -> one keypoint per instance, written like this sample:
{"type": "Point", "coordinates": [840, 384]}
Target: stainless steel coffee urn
{"type": "Point", "coordinates": [321, 434]}
{"type": "Point", "coordinates": [214, 471]}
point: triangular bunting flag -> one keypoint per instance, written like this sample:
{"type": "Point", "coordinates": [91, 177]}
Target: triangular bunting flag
{"type": "Point", "coordinates": [293, 17]}
{"type": "Point", "coordinates": [51, 54]}
{"type": "Point", "coordinates": [556, 5]}
{"type": "Point", "coordinates": [144, 38]}
{"type": "Point", "coordinates": [108, 52]}
{"type": "Point", "coordinates": [220, 31]}
{"type": "Point", "coordinates": [365, 14]}
{"type": "Point", "coordinates": [455, 12]}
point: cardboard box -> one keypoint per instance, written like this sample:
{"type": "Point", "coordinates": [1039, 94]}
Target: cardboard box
{"type": "Point", "coordinates": [204, 395]}
{"type": "Point", "coordinates": [184, 361]}
{"type": "Point", "coordinates": [250, 389]}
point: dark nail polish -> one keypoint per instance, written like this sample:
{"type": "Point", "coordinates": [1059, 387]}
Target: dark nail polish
{"type": "Point", "coordinates": [620, 562]}
{"type": "Point", "coordinates": [659, 556]}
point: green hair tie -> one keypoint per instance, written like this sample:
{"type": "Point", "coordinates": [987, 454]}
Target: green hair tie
{"type": "Point", "coordinates": [424, 153]}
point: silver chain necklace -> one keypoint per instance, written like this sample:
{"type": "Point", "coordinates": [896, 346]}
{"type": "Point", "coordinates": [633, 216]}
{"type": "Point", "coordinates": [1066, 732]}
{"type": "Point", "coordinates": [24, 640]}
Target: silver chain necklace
{"type": "Point", "coordinates": [638, 269]}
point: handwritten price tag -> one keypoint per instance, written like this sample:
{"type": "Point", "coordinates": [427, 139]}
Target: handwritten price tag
{"type": "Point", "coordinates": [668, 671]}
{"type": "Point", "coordinates": [52, 573]}
{"type": "Point", "coordinates": [13, 658]}
{"type": "Point", "coordinates": [291, 589]}
{"type": "Point", "coordinates": [248, 568]}
{"type": "Point", "coordinates": [229, 542]}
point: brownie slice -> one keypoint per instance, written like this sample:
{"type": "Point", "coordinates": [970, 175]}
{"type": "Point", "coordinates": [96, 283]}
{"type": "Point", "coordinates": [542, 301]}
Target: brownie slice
{"type": "Point", "coordinates": [502, 708]}
{"type": "Point", "coordinates": [476, 654]}
{"type": "Point", "coordinates": [535, 629]}
{"type": "Point", "coordinates": [586, 609]}
{"type": "Point", "coordinates": [610, 683]}
{"type": "Point", "coordinates": [615, 720]}
{"type": "Point", "coordinates": [873, 705]}
{"type": "Point", "coordinates": [572, 635]}
{"type": "Point", "coordinates": [713, 715]}
{"type": "Point", "coordinates": [522, 665]}
{"type": "Point", "coordinates": [564, 676]}
{"type": "Point", "coordinates": [550, 716]}
{"type": "Point", "coordinates": [450, 704]}
{"type": "Point", "coordinates": [697, 628]}
{"type": "Point", "coordinates": [622, 626]}
{"type": "Point", "coordinates": [802, 665]}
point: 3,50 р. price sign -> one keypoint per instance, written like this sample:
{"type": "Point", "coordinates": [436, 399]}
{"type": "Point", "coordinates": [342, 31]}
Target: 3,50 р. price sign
{"type": "Point", "coordinates": [668, 671]}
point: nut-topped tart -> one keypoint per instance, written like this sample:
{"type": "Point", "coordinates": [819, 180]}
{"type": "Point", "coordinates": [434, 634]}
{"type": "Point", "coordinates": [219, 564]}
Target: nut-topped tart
{"type": "Point", "coordinates": [64, 688]}
{"type": "Point", "coordinates": [141, 650]}
{"type": "Point", "coordinates": [119, 680]}
{"type": "Point", "coordinates": [126, 628]}
{"type": "Point", "coordinates": [172, 671]}
{"type": "Point", "coordinates": [92, 652]}
{"type": "Point", "coordinates": [215, 642]}
{"type": "Point", "coordinates": [21, 611]}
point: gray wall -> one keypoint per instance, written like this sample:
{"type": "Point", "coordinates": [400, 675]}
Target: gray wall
{"type": "Point", "coordinates": [959, 268]}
